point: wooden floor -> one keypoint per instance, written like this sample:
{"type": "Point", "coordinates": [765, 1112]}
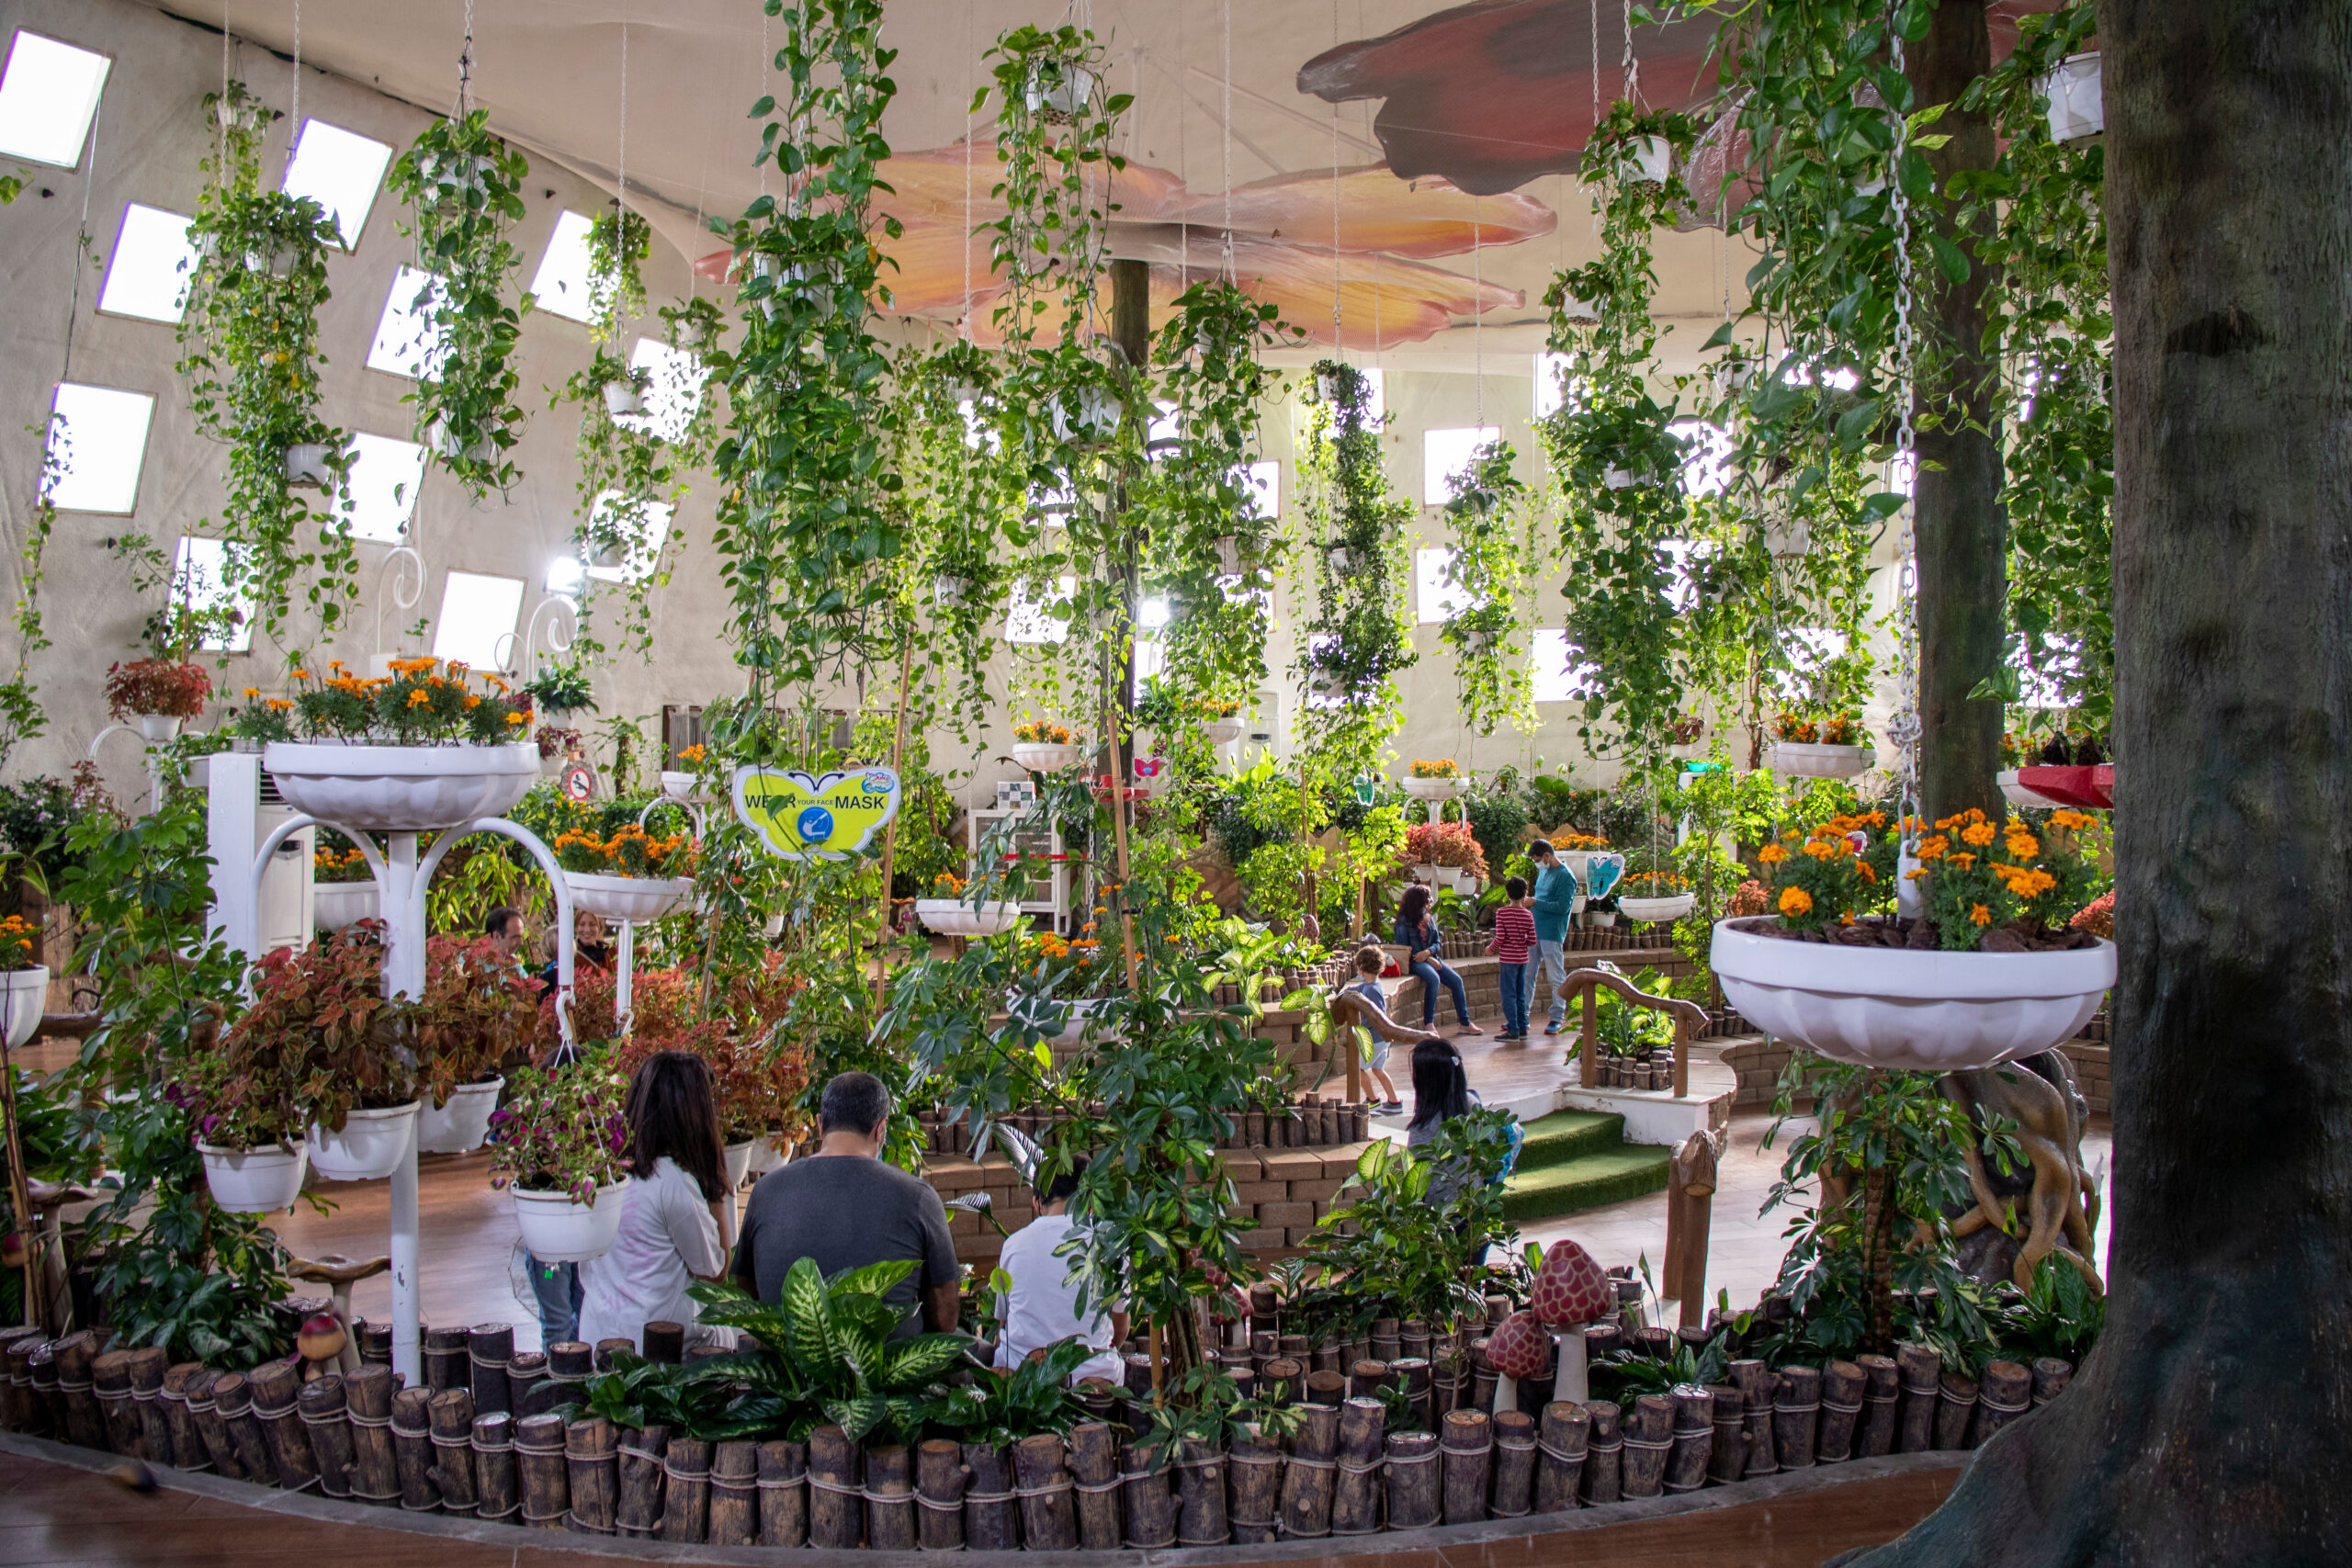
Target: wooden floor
{"type": "Point", "coordinates": [53, 1516]}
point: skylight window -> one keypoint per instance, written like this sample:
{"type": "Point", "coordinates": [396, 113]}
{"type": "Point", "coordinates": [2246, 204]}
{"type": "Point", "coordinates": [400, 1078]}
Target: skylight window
{"type": "Point", "coordinates": [199, 579]}
{"type": "Point", "coordinates": [1030, 620]}
{"type": "Point", "coordinates": [478, 614]}
{"type": "Point", "coordinates": [340, 170]}
{"type": "Point", "coordinates": [566, 576]}
{"type": "Point", "coordinates": [99, 444]}
{"type": "Point", "coordinates": [674, 385]}
{"type": "Point", "coordinates": [643, 535]}
{"type": "Point", "coordinates": [1706, 456]}
{"type": "Point", "coordinates": [385, 474]}
{"type": "Point", "coordinates": [147, 275]}
{"type": "Point", "coordinates": [561, 283]}
{"type": "Point", "coordinates": [1436, 596]}
{"type": "Point", "coordinates": [47, 96]}
{"type": "Point", "coordinates": [1445, 453]}
{"type": "Point", "coordinates": [1551, 383]}
{"type": "Point", "coordinates": [407, 339]}
{"type": "Point", "coordinates": [1557, 674]}
{"type": "Point", "coordinates": [1264, 483]}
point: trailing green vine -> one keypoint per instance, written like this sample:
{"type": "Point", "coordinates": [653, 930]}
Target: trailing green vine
{"type": "Point", "coordinates": [1493, 525]}
{"type": "Point", "coordinates": [1357, 642]}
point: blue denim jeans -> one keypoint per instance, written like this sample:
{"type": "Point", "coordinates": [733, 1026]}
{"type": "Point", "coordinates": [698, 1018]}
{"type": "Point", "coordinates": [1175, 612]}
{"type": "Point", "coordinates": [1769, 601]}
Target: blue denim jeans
{"type": "Point", "coordinates": [557, 1288]}
{"type": "Point", "coordinates": [1546, 967]}
{"type": "Point", "coordinates": [1430, 972]}
{"type": "Point", "coordinates": [1513, 978]}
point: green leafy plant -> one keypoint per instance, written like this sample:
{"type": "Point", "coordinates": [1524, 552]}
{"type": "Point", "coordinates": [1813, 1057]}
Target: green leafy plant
{"type": "Point", "coordinates": [560, 1129]}
{"type": "Point", "coordinates": [1000, 1406]}
{"type": "Point", "coordinates": [415, 705]}
{"type": "Point", "coordinates": [563, 687]}
{"type": "Point", "coordinates": [701, 1399]}
{"type": "Point", "coordinates": [1356, 642]}
{"type": "Point", "coordinates": [478, 1009]}
{"type": "Point", "coordinates": [1494, 550]}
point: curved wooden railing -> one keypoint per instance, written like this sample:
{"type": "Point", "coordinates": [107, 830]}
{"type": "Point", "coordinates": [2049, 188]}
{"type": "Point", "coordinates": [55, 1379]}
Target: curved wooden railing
{"type": "Point", "coordinates": [1689, 1019]}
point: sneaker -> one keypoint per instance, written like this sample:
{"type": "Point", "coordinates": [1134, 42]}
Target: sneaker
{"type": "Point", "coordinates": [1389, 1108]}
{"type": "Point", "coordinates": [1466, 1031]}
{"type": "Point", "coordinates": [1552, 1028]}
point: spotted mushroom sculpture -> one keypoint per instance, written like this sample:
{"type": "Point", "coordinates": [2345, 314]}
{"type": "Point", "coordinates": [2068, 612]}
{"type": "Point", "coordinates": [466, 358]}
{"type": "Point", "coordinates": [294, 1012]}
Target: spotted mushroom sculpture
{"type": "Point", "coordinates": [1570, 1291]}
{"type": "Point", "coordinates": [1519, 1349]}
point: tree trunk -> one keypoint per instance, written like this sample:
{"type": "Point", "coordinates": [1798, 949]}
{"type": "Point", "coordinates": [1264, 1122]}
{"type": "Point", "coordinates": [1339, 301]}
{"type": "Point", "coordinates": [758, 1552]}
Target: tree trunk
{"type": "Point", "coordinates": [1962, 530]}
{"type": "Point", "coordinates": [2206, 1428]}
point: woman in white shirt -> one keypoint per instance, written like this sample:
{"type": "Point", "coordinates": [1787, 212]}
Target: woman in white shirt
{"type": "Point", "coordinates": [1041, 1309]}
{"type": "Point", "coordinates": [669, 1230]}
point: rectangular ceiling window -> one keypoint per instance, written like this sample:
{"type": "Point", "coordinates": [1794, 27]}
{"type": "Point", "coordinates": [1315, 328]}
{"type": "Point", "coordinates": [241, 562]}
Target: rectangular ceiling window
{"type": "Point", "coordinates": [675, 381]}
{"type": "Point", "coordinates": [147, 275]}
{"type": "Point", "coordinates": [1436, 596]}
{"type": "Point", "coordinates": [1264, 483]}
{"type": "Point", "coordinates": [47, 97]}
{"type": "Point", "coordinates": [97, 443]}
{"type": "Point", "coordinates": [478, 614]}
{"type": "Point", "coordinates": [342, 171]}
{"type": "Point", "coordinates": [561, 283]}
{"type": "Point", "coordinates": [1551, 383]}
{"type": "Point", "coordinates": [1029, 619]}
{"type": "Point", "coordinates": [199, 579]}
{"type": "Point", "coordinates": [1706, 456]}
{"type": "Point", "coordinates": [407, 339]}
{"type": "Point", "coordinates": [385, 474]}
{"type": "Point", "coordinates": [1445, 453]}
{"type": "Point", "coordinates": [1558, 673]}
{"type": "Point", "coordinates": [643, 536]}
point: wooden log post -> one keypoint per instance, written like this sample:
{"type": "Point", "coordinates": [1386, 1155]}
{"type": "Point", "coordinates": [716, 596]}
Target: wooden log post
{"type": "Point", "coordinates": [1326, 1359]}
{"type": "Point", "coordinates": [1515, 1450]}
{"type": "Point", "coordinates": [2051, 1377]}
{"type": "Point", "coordinates": [2005, 1394]}
{"type": "Point", "coordinates": [1468, 1438]}
{"type": "Point", "coordinates": [1728, 1462]}
{"type": "Point", "coordinates": [375, 1343]}
{"type": "Point", "coordinates": [1915, 1415]}
{"type": "Point", "coordinates": [1881, 1379]}
{"type": "Point", "coordinates": [83, 1425]}
{"type": "Point", "coordinates": [1095, 1473]}
{"type": "Point", "coordinates": [276, 1389]}
{"type": "Point", "coordinates": [147, 1368]}
{"type": "Point", "coordinates": [686, 1490]}
{"type": "Point", "coordinates": [323, 1405]}
{"type": "Point", "coordinates": [1387, 1338]}
{"type": "Point", "coordinates": [1694, 1439]}
{"type": "Point", "coordinates": [1364, 1377]}
{"type": "Point", "coordinates": [49, 1395]}
{"type": "Point", "coordinates": [1689, 1202]}
{"type": "Point", "coordinates": [188, 1450]}
{"type": "Point", "coordinates": [540, 1472]}
{"type": "Point", "coordinates": [525, 1371]}
{"type": "Point", "coordinates": [991, 1521]}
{"type": "Point", "coordinates": [1281, 1380]}
{"type": "Point", "coordinates": [836, 1503]}
{"type": "Point", "coordinates": [110, 1382]}
{"type": "Point", "coordinates": [619, 1345]}
{"type": "Point", "coordinates": [368, 1409]}
{"type": "Point", "coordinates": [31, 1408]}
{"type": "Point", "coordinates": [15, 1384]}
{"type": "Point", "coordinates": [1327, 1388]}
{"type": "Point", "coordinates": [1254, 1502]}
{"type": "Point", "coordinates": [498, 1494]}
{"type": "Point", "coordinates": [234, 1396]}
{"type": "Point", "coordinates": [1355, 1494]}
{"type": "Point", "coordinates": [1483, 1380]}
{"type": "Point", "coordinates": [1413, 1476]}
{"type": "Point", "coordinates": [444, 1358]}
{"type": "Point", "coordinates": [636, 1509]}
{"type": "Point", "coordinates": [890, 1498]}
{"type": "Point", "coordinates": [1648, 1438]}
{"type": "Point", "coordinates": [1842, 1384]}
{"type": "Point", "coordinates": [1306, 1483]}
{"type": "Point", "coordinates": [1796, 1415]}
{"type": "Point", "coordinates": [665, 1342]}
{"type": "Point", "coordinates": [1755, 1382]}
{"type": "Point", "coordinates": [1563, 1438]}
{"type": "Point", "coordinates": [1144, 1488]}
{"type": "Point", "coordinates": [1955, 1410]}
{"type": "Point", "coordinates": [1412, 1373]}
{"type": "Point", "coordinates": [735, 1495]}
{"type": "Point", "coordinates": [1200, 1496]}
{"type": "Point", "coordinates": [571, 1362]}
{"type": "Point", "coordinates": [450, 1415]}
{"type": "Point", "coordinates": [940, 1479]}
{"type": "Point", "coordinates": [204, 1414]}
{"type": "Point", "coordinates": [1604, 1455]}
{"type": "Point", "coordinates": [412, 1449]}
{"type": "Point", "coordinates": [784, 1493]}
{"type": "Point", "coordinates": [489, 1356]}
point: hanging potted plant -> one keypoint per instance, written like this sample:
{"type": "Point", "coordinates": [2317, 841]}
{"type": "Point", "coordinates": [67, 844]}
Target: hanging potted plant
{"type": "Point", "coordinates": [1647, 897]}
{"type": "Point", "coordinates": [950, 913]}
{"type": "Point", "coordinates": [1830, 746]}
{"type": "Point", "coordinates": [1494, 539]}
{"type": "Point", "coordinates": [756, 1079]}
{"type": "Point", "coordinates": [478, 1007]}
{"type": "Point", "coordinates": [411, 751]}
{"type": "Point", "coordinates": [1218, 720]}
{"type": "Point", "coordinates": [632, 875]}
{"type": "Point", "coordinates": [1989, 972]}
{"type": "Point", "coordinates": [158, 695]}
{"type": "Point", "coordinates": [1446, 854]}
{"type": "Point", "coordinates": [1043, 747]}
{"type": "Point", "coordinates": [246, 1133]}
{"type": "Point", "coordinates": [560, 694]}
{"type": "Point", "coordinates": [342, 885]}
{"type": "Point", "coordinates": [681, 783]}
{"type": "Point", "coordinates": [1441, 780]}
{"type": "Point", "coordinates": [24, 981]}
{"type": "Point", "coordinates": [559, 1144]}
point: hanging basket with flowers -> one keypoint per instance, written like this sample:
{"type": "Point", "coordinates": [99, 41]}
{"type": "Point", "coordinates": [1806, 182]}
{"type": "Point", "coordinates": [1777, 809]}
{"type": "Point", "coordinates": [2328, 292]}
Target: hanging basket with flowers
{"type": "Point", "coordinates": [1820, 747]}
{"type": "Point", "coordinates": [632, 875]}
{"type": "Point", "coordinates": [1441, 780]}
{"type": "Point", "coordinates": [561, 1143]}
{"type": "Point", "coordinates": [1043, 747]}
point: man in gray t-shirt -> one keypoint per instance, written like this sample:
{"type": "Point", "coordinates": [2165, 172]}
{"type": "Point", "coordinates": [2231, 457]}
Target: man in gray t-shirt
{"type": "Point", "coordinates": [844, 1208]}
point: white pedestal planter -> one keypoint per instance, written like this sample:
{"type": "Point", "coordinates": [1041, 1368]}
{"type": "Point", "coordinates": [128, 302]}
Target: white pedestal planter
{"type": "Point", "coordinates": [335, 905]}
{"type": "Point", "coordinates": [1807, 760]}
{"type": "Point", "coordinates": [1433, 789]}
{"type": "Point", "coordinates": [1644, 911]}
{"type": "Point", "coordinates": [156, 729]}
{"type": "Point", "coordinates": [951, 917]}
{"type": "Point", "coordinates": [371, 1144]}
{"type": "Point", "coordinates": [1042, 757]}
{"type": "Point", "coordinates": [1931, 1012]}
{"type": "Point", "coordinates": [254, 1181]}
{"type": "Point", "coordinates": [1218, 731]}
{"type": "Point", "coordinates": [557, 1230]}
{"type": "Point", "coordinates": [398, 789]}
{"type": "Point", "coordinates": [739, 1162]}
{"type": "Point", "coordinates": [460, 1126]}
{"type": "Point", "coordinates": [24, 993]}
{"type": "Point", "coordinates": [636, 898]}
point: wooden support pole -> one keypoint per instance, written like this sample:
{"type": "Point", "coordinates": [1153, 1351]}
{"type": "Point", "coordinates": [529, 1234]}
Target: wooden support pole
{"type": "Point", "coordinates": [1355, 1497]}
{"type": "Point", "coordinates": [1694, 1439]}
{"type": "Point", "coordinates": [147, 1407]}
{"type": "Point", "coordinates": [188, 1450]}
{"type": "Point", "coordinates": [1878, 1405]}
{"type": "Point", "coordinates": [1307, 1484]}
{"type": "Point", "coordinates": [735, 1495]}
{"type": "Point", "coordinates": [992, 1522]}
{"type": "Point", "coordinates": [686, 1490]}
{"type": "Point", "coordinates": [323, 1407]}
{"type": "Point", "coordinates": [413, 1450]}
{"type": "Point", "coordinates": [490, 1354]}
{"type": "Point", "coordinates": [1413, 1478]}
{"type": "Point", "coordinates": [1649, 1437]}
{"type": "Point", "coordinates": [499, 1497]}
{"type": "Point", "coordinates": [784, 1493]}
{"type": "Point", "coordinates": [1842, 1384]}
{"type": "Point", "coordinates": [939, 1478]}
{"type": "Point", "coordinates": [1604, 1454]}
{"type": "Point", "coordinates": [368, 1408]}
{"type": "Point", "coordinates": [540, 1472]}
{"type": "Point", "coordinates": [110, 1381]}
{"type": "Point", "coordinates": [276, 1386]}
{"type": "Point", "coordinates": [1796, 1415]}
{"type": "Point", "coordinates": [1094, 1470]}
{"type": "Point", "coordinates": [450, 1415]}
{"type": "Point", "coordinates": [1729, 1462]}
{"type": "Point", "coordinates": [637, 1512]}
{"type": "Point", "coordinates": [1254, 1505]}
{"type": "Point", "coordinates": [1151, 1505]}
{"type": "Point", "coordinates": [1922, 1374]}
{"type": "Point", "coordinates": [1755, 1382]}
{"type": "Point", "coordinates": [1469, 1442]}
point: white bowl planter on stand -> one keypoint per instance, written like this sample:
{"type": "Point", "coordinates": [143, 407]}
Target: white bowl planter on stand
{"type": "Point", "coordinates": [335, 905]}
{"type": "Point", "coordinates": [557, 1230]}
{"type": "Point", "coordinates": [371, 1145]}
{"type": "Point", "coordinates": [1043, 756]}
{"type": "Point", "coordinates": [158, 729]}
{"type": "Point", "coordinates": [1806, 760]}
{"type": "Point", "coordinates": [1220, 731]}
{"type": "Point", "coordinates": [461, 1126]}
{"type": "Point", "coordinates": [1647, 911]}
{"type": "Point", "coordinates": [400, 788]}
{"type": "Point", "coordinates": [27, 994]}
{"type": "Point", "coordinates": [952, 917]}
{"type": "Point", "coordinates": [1433, 789]}
{"type": "Point", "coordinates": [1929, 1012]}
{"type": "Point", "coordinates": [634, 899]}
{"type": "Point", "coordinates": [260, 1180]}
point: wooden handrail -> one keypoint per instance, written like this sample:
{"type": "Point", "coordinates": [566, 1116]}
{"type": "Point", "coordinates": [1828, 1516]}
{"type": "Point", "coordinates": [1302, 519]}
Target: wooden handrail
{"type": "Point", "coordinates": [1688, 1019]}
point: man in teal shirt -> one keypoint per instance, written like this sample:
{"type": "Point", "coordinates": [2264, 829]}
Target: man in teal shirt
{"type": "Point", "coordinates": [1553, 901]}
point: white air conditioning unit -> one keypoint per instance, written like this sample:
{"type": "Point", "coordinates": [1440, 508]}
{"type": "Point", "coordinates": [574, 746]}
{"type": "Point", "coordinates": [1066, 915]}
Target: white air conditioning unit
{"type": "Point", "coordinates": [245, 808]}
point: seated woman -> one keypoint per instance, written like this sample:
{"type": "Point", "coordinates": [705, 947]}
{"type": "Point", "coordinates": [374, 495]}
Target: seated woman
{"type": "Point", "coordinates": [669, 1230]}
{"type": "Point", "coordinates": [1416, 932]}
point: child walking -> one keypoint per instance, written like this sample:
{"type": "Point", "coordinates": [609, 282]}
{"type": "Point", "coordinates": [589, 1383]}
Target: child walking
{"type": "Point", "coordinates": [1514, 941]}
{"type": "Point", "coordinates": [1370, 1012]}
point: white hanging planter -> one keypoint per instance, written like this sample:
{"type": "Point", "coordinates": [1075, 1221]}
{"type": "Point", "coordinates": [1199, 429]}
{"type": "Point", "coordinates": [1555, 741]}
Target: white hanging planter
{"type": "Point", "coordinates": [1228, 554]}
{"type": "Point", "coordinates": [1085, 416]}
{"type": "Point", "coordinates": [1079, 1025]}
{"type": "Point", "coordinates": [1620, 479]}
{"type": "Point", "coordinates": [637, 898]}
{"type": "Point", "coordinates": [1652, 158]}
{"type": "Point", "coordinates": [1071, 91]}
{"type": "Point", "coordinates": [261, 1180]}
{"type": "Point", "coordinates": [445, 443]}
{"type": "Point", "coordinates": [306, 465]}
{"type": "Point", "coordinates": [1645, 911]}
{"type": "Point", "coordinates": [1478, 642]}
{"type": "Point", "coordinates": [400, 789]}
{"type": "Point", "coordinates": [1928, 1011]}
{"type": "Point", "coordinates": [2077, 109]}
{"type": "Point", "coordinates": [1328, 686]}
{"type": "Point", "coordinates": [681, 788]}
{"type": "Point", "coordinates": [952, 917]}
{"type": "Point", "coordinates": [157, 728]}
{"type": "Point", "coordinates": [1808, 760]}
{"type": "Point", "coordinates": [557, 1230]}
{"type": "Point", "coordinates": [739, 1162]}
{"type": "Point", "coordinates": [1044, 757]}
{"type": "Point", "coordinates": [1575, 307]}
{"type": "Point", "coordinates": [279, 261]}
{"type": "Point", "coordinates": [623, 399]}
{"type": "Point", "coordinates": [949, 592]}
{"type": "Point", "coordinates": [1433, 789]}
{"type": "Point", "coordinates": [371, 1144]}
{"type": "Point", "coordinates": [1346, 560]}
{"type": "Point", "coordinates": [26, 993]}
{"type": "Point", "coordinates": [1219, 731]}
{"type": "Point", "coordinates": [335, 905]}
{"type": "Point", "coordinates": [461, 1126]}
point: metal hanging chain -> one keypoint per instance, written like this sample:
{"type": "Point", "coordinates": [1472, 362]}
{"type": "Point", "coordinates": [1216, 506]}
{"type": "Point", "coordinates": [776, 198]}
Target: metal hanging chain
{"type": "Point", "coordinates": [1477, 315]}
{"type": "Point", "coordinates": [294, 115]}
{"type": "Point", "coordinates": [1338, 340]}
{"type": "Point", "coordinates": [620, 167]}
{"type": "Point", "coordinates": [968, 129]}
{"type": "Point", "coordinates": [1633, 67]}
{"type": "Point", "coordinates": [466, 66]}
{"type": "Point", "coordinates": [1231, 275]}
{"type": "Point", "coordinates": [1906, 727]}
{"type": "Point", "coordinates": [1595, 57]}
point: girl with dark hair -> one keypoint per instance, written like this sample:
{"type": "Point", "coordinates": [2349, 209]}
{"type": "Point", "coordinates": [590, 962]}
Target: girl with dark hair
{"type": "Point", "coordinates": [1416, 933]}
{"type": "Point", "coordinates": [669, 1230]}
{"type": "Point", "coordinates": [1442, 1092]}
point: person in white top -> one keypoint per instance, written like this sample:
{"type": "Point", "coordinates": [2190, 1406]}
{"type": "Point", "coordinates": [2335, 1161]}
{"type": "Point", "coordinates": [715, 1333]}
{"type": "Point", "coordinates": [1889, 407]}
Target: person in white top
{"type": "Point", "coordinates": [1041, 1308]}
{"type": "Point", "coordinates": [669, 1230]}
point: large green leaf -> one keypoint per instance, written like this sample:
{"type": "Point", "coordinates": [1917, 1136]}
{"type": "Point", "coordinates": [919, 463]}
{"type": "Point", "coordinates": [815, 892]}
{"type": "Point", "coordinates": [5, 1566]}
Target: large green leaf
{"type": "Point", "coordinates": [857, 1416]}
{"type": "Point", "coordinates": [910, 1363]}
{"type": "Point", "coordinates": [870, 1280]}
{"type": "Point", "coordinates": [807, 1318]}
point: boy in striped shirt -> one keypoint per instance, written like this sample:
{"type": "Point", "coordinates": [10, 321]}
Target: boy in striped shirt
{"type": "Point", "coordinates": [1514, 942]}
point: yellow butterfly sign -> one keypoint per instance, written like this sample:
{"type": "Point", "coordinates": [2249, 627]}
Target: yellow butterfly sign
{"type": "Point", "coordinates": [816, 816]}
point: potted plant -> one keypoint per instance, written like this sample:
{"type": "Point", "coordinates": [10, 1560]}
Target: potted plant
{"type": "Point", "coordinates": [1043, 747]}
{"type": "Point", "coordinates": [1830, 746]}
{"type": "Point", "coordinates": [476, 1008]}
{"type": "Point", "coordinates": [159, 694]}
{"type": "Point", "coordinates": [1446, 854]}
{"type": "Point", "coordinates": [1990, 970]}
{"type": "Point", "coordinates": [23, 979]}
{"type": "Point", "coordinates": [409, 751]}
{"type": "Point", "coordinates": [1441, 780]}
{"type": "Point", "coordinates": [631, 875]}
{"type": "Point", "coordinates": [949, 913]}
{"type": "Point", "coordinates": [342, 885]}
{"type": "Point", "coordinates": [1580, 852]}
{"type": "Point", "coordinates": [246, 1133]}
{"type": "Point", "coordinates": [259, 722]}
{"type": "Point", "coordinates": [1218, 720]}
{"type": "Point", "coordinates": [558, 693]}
{"type": "Point", "coordinates": [1648, 896]}
{"type": "Point", "coordinates": [559, 1144]}
{"type": "Point", "coordinates": [679, 783]}
{"type": "Point", "coordinates": [756, 1079]}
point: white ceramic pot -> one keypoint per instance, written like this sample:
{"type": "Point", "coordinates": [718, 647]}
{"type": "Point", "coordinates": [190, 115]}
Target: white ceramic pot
{"type": "Point", "coordinates": [1218, 731]}
{"type": "Point", "coordinates": [1433, 789]}
{"type": "Point", "coordinates": [1620, 479]}
{"type": "Point", "coordinates": [765, 1157]}
{"type": "Point", "coordinates": [306, 465]}
{"type": "Point", "coordinates": [371, 1144]}
{"type": "Point", "coordinates": [557, 1230]}
{"type": "Point", "coordinates": [739, 1162]}
{"type": "Point", "coordinates": [335, 905]}
{"type": "Point", "coordinates": [950, 591]}
{"type": "Point", "coordinates": [156, 729]}
{"type": "Point", "coordinates": [1931, 1012]}
{"type": "Point", "coordinates": [1042, 757]}
{"type": "Point", "coordinates": [952, 917]}
{"type": "Point", "coordinates": [1644, 911]}
{"type": "Point", "coordinates": [622, 397]}
{"type": "Point", "coordinates": [1654, 156]}
{"type": "Point", "coordinates": [1077, 1019]}
{"type": "Point", "coordinates": [26, 992]}
{"type": "Point", "coordinates": [1807, 760]}
{"type": "Point", "coordinates": [396, 789]}
{"type": "Point", "coordinates": [637, 898]}
{"type": "Point", "coordinates": [460, 1126]}
{"type": "Point", "coordinates": [2022, 795]}
{"type": "Point", "coordinates": [2077, 108]}
{"type": "Point", "coordinates": [254, 1181]}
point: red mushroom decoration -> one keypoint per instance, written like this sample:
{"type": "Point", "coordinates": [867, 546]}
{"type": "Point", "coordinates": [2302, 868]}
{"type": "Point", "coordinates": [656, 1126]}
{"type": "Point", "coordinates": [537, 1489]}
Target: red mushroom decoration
{"type": "Point", "coordinates": [319, 1340]}
{"type": "Point", "coordinates": [12, 1250]}
{"type": "Point", "coordinates": [1520, 1346]}
{"type": "Point", "coordinates": [1570, 1291]}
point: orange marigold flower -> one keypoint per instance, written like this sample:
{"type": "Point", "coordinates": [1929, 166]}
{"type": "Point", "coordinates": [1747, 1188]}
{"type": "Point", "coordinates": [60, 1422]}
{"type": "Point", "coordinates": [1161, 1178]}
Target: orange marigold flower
{"type": "Point", "coordinates": [1961, 862]}
{"type": "Point", "coordinates": [1978, 833]}
{"type": "Point", "coordinates": [1980, 915]}
{"type": "Point", "coordinates": [1795, 901]}
{"type": "Point", "coordinates": [1771, 854]}
{"type": "Point", "coordinates": [2067, 819]}
{"type": "Point", "coordinates": [1868, 874]}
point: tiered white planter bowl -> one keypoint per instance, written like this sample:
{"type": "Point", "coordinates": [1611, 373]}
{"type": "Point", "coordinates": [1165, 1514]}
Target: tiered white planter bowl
{"type": "Point", "coordinates": [637, 898]}
{"type": "Point", "coordinates": [557, 1230]}
{"type": "Point", "coordinates": [1042, 756]}
{"type": "Point", "coordinates": [370, 1145]}
{"type": "Point", "coordinates": [951, 917]}
{"type": "Point", "coordinates": [681, 787]}
{"type": "Point", "coordinates": [1643, 911]}
{"type": "Point", "coordinates": [460, 1126]}
{"type": "Point", "coordinates": [335, 905]}
{"type": "Point", "coordinates": [398, 789]}
{"type": "Point", "coordinates": [1433, 789]}
{"type": "Point", "coordinates": [1806, 761]}
{"type": "Point", "coordinates": [1930, 1011]}
{"type": "Point", "coordinates": [254, 1181]}
{"type": "Point", "coordinates": [156, 729]}
{"type": "Point", "coordinates": [1218, 731]}
{"type": "Point", "coordinates": [25, 994]}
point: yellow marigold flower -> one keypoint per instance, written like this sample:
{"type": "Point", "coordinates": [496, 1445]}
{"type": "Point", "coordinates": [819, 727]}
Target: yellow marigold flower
{"type": "Point", "coordinates": [301, 674]}
{"type": "Point", "coordinates": [1914, 873]}
{"type": "Point", "coordinates": [2068, 818]}
{"type": "Point", "coordinates": [1933, 848]}
{"type": "Point", "coordinates": [1978, 833]}
{"type": "Point", "coordinates": [1868, 874]}
{"type": "Point", "coordinates": [1980, 915]}
{"type": "Point", "coordinates": [1961, 862]}
{"type": "Point", "coordinates": [418, 699]}
{"type": "Point", "coordinates": [473, 703]}
{"type": "Point", "coordinates": [516, 719]}
{"type": "Point", "coordinates": [1795, 901]}
{"type": "Point", "coordinates": [1771, 854]}
{"type": "Point", "coordinates": [251, 692]}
